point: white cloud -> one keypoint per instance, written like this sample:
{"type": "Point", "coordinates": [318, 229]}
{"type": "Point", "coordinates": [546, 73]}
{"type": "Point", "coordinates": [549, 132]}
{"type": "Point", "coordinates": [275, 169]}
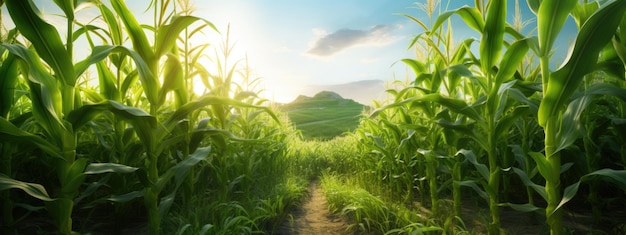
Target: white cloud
{"type": "Point", "coordinates": [328, 44]}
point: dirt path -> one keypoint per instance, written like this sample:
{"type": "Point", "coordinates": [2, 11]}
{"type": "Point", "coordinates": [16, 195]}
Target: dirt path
{"type": "Point", "coordinates": [313, 217]}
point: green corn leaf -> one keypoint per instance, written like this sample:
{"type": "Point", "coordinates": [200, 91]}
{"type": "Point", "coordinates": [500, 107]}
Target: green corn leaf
{"type": "Point", "coordinates": [481, 168]}
{"type": "Point", "coordinates": [8, 82]}
{"type": "Point", "coordinates": [208, 100]}
{"type": "Point", "coordinates": [99, 168]}
{"type": "Point", "coordinates": [86, 113]}
{"type": "Point", "coordinates": [114, 29]}
{"type": "Point", "coordinates": [417, 66]}
{"type": "Point", "coordinates": [206, 228]}
{"type": "Point", "coordinates": [126, 197]}
{"type": "Point", "coordinates": [534, 5]}
{"type": "Point", "coordinates": [11, 133]}
{"type": "Point", "coordinates": [148, 80]}
{"type": "Point", "coordinates": [67, 6]}
{"type": "Point", "coordinates": [570, 129]}
{"type": "Point", "coordinates": [45, 94]}
{"type": "Point", "coordinates": [493, 35]}
{"type": "Point", "coordinates": [543, 165]}
{"type": "Point", "coordinates": [513, 32]}
{"type": "Point", "coordinates": [168, 34]}
{"type": "Point", "coordinates": [617, 177]}
{"type": "Point", "coordinates": [511, 60]}
{"type": "Point", "coordinates": [592, 38]}
{"type": "Point", "coordinates": [44, 38]}
{"type": "Point", "coordinates": [73, 177]}
{"type": "Point", "coordinates": [86, 29]}
{"type": "Point", "coordinates": [529, 183]}
{"type": "Point", "coordinates": [470, 15]}
{"type": "Point", "coordinates": [173, 80]}
{"type": "Point", "coordinates": [524, 207]}
{"type": "Point", "coordinates": [34, 190]}
{"type": "Point", "coordinates": [136, 34]}
{"type": "Point", "coordinates": [551, 16]}
{"type": "Point", "coordinates": [92, 188]}
{"type": "Point", "coordinates": [455, 105]}
{"type": "Point", "coordinates": [603, 89]}
{"type": "Point", "coordinates": [106, 80]}
{"type": "Point", "coordinates": [473, 185]}
{"type": "Point", "coordinates": [419, 22]}
{"type": "Point", "coordinates": [179, 172]}
{"type": "Point", "coordinates": [583, 11]}
{"type": "Point", "coordinates": [503, 124]}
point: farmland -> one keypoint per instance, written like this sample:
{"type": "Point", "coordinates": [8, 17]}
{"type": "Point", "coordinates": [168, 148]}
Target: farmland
{"type": "Point", "coordinates": [484, 136]}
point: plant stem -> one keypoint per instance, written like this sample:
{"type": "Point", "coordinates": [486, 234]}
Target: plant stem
{"type": "Point", "coordinates": [553, 181]}
{"type": "Point", "coordinates": [494, 178]}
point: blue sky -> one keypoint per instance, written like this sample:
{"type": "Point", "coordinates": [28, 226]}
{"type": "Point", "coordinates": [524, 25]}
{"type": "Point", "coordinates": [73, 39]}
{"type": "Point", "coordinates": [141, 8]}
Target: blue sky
{"type": "Point", "coordinates": [291, 44]}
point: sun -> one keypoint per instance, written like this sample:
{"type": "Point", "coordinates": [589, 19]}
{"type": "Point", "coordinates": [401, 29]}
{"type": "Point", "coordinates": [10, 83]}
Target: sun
{"type": "Point", "coordinates": [279, 92]}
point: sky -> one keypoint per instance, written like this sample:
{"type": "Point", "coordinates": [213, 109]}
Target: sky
{"type": "Point", "coordinates": [291, 44]}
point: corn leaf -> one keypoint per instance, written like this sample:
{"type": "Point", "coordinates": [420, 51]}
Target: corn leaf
{"type": "Point", "coordinates": [551, 16]}
{"type": "Point", "coordinates": [34, 190]}
{"type": "Point", "coordinates": [148, 80]}
{"type": "Point", "coordinates": [617, 177]}
{"type": "Point", "coordinates": [106, 80]}
{"type": "Point", "coordinates": [417, 66]}
{"type": "Point", "coordinates": [524, 207]}
{"type": "Point", "coordinates": [173, 80]}
{"type": "Point", "coordinates": [543, 165]}
{"type": "Point", "coordinates": [11, 133]}
{"type": "Point", "coordinates": [474, 185]}
{"type": "Point", "coordinates": [529, 183]}
{"type": "Point", "coordinates": [8, 82]}
{"type": "Point", "coordinates": [592, 38]}
{"type": "Point", "coordinates": [503, 124]}
{"type": "Point", "coordinates": [470, 15]}
{"type": "Point", "coordinates": [114, 30]}
{"type": "Point", "coordinates": [481, 168]}
{"type": "Point", "coordinates": [168, 34]}
{"type": "Point", "coordinates": [86, 113]}
{"type": "Point", "coordinates": [67, 6]}
{"type": "Point", "coordinates": [179, 172]}
{"type": "Point", "coordinates": [44, 38]}
{"type": "Point", "coordinates": [455, 105]}
{"type": "Point", "coordinates": [208, 100]}
{"type": "Point", "coordinates": [493, 34]}
{"type": "Point", "coordinates": [47, 101]}
{"type": "Point", "coordinates": [511, 60]}
{"type": "Point", "coordinates": [534, 5]}
{"type": "Point", "coordinates": [99, 168]}
{"type": "Point", "coordinates": [570, 129]}
{"type": "Point", "coordinates": [136, 34]}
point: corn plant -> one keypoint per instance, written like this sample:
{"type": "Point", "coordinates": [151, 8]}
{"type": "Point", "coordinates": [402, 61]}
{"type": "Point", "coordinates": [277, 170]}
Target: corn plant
{"type": "Point", "coordinates": [558, 86]}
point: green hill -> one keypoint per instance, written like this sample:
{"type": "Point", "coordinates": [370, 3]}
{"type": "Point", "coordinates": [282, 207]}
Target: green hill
{"type": "Point", "coordinates": [324, 116]}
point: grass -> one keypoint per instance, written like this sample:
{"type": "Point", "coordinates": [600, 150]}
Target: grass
{"type": "Point", "coordinates": [324, 116]}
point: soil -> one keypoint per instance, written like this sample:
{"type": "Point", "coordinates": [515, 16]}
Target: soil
{"type": "Point", "coordinates": [313, 217]}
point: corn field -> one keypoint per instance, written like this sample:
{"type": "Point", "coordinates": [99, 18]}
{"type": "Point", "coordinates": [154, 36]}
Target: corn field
{"type": "Point", "coordinates": [117, 141]}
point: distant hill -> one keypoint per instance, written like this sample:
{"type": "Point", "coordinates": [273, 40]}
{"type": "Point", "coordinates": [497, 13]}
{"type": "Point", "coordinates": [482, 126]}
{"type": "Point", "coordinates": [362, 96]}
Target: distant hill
{"type": "Point", "coordinates": [360, 91]}
{"type": "Point", "coordinates": [325, 115]}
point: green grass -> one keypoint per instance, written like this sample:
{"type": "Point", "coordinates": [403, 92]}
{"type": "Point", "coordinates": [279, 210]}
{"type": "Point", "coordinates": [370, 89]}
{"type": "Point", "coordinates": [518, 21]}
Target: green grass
{"type": "Point", "coordinates": [324, 117]}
